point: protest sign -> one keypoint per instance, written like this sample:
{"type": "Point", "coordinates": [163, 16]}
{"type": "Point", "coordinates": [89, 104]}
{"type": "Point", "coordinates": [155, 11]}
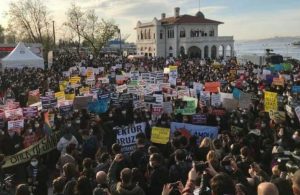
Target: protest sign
{"type": "Point", "coordinates": [81, 102]}
{"type": "Point", "coordinates": [218, 112]}
{"type": "Point", "coordinates": [189, 130]}
{"type": "Point", "coordinates": [245, 100]}
{"type": "Point", "coordinates": [205, 98]}
{"type": "Point", "coordinates": [230, 104]}
{"type": "Point", "coordinates": [270, 101]}
{"type": "Point", "coordinates": [278, 81]}
{"type": "Point", "coordinates": [13, 114]}
{"type": "Point", "coordinates": [212, 87]}
{"type": "Point", "coordinates": [66, 110]}
{"type": "Point", "coordinates": [236, 93]}
{"type": "Point", "coordinates": [30, 112]}
{"type": "Point", "coordinates": [74, 80]}
{"type": "Point", "coordinates": [197, 87]}
{"type": "Point", "coordinates": [126, 100]}
{"type": "Point", "coordinates": [121, 88]}
{"type": "Point", "coordinates": [199, 119]}
{"type": "Point", "coordinates": [84, 90]}
{"type": "Point", "coordinates": [126, 136]}
{"type": "Point", "coordinates": [216, 100]}
{"type": "Point", "coordinates": [60, 96]}
{"type": "Point", "coordinates": [15, 125]}
{"type": "Point", "coordinates": [149, 99]}
{"type": "Point", "coordinates": [158, 98]}
{"type": "Point", "coordinates": [160, 135]}
{"type": "Point", "coordinates": [157, 109]}
{"type": "Point", "coordinates": [38, 105]}
{"type": "Point", "coordinates": [138, 104]}
{"type": "Point", "coordinates": [296, 89]}
{"type": "Point", "coordinates": [226, 95]}
{"type": "Point", "coordinates": [43, 146]}
{"type": "Point", "coordinates": [70, 96]}
{"type": "Point", "coordinates": [33, 97]}
{"type": "Point", "coordinates": [168, 107]}
{"type": "Point", "coordinates": [297, 111]}
{"type": "Point", "coordinates": [277, 116]}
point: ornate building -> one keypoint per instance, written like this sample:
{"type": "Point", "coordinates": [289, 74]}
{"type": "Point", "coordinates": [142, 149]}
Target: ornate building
{"type": "Point", "coordinates": [194, 36]}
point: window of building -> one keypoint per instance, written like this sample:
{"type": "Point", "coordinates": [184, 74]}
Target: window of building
{"type": "Point", "coordinates": [161, 35]}
{"type": "Point", "coordinates": [153, 35]}
{"type": "Point", "coordinates": [142, 37]}
{"type": "Point", "coordinates": [138, 37]}
{"type": "Point", "coordinates": [170, 55]}
{"type": "Point", "coordinates": [145, 34]}
{"type": "Point", "coordinates": [149, 34]}
{"type": "Point", "coordinates": [170, 33]}
{"type": "Point", "coordinates": [212, 33]}
{"type": "Point", "coordinates": [182, 33]}
{"type": "Point", "coordinates": [195, 33]}
{"type": "Point", "coordinates": [170, 48]}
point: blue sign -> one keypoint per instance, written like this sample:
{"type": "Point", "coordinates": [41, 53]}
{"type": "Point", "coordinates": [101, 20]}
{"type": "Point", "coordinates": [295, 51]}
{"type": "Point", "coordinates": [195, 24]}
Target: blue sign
{"type": "Point", "coordinates": [236, 93]}
{"type": "Point", "coordinates": [296, 89]}
{"type": "Point", "coordinates": [197, 130]}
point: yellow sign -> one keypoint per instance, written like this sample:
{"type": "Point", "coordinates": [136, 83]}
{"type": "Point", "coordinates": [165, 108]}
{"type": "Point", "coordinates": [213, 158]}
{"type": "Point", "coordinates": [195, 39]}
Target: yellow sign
{"type": "Point", "coordinates": [70, 96]}
{"type": "Point", "coordinates": [60, 95]}
{"type": "Point", "coordinates": [89, 74]}
{"type": "Point", "coordinates": [270, 101]}
{"type": "Point", "coordinates": [160, 135]}
{"type": "Point", "coordinates": [172, 68]}
{"type": "Point", "coordinates": [62, 85]}
{"type": "Point", "coordinates": [84, 90]}
{"type": "Point", "coordinates": [74, 80]}
{"type": "Point", "coordinates": [43, 146]}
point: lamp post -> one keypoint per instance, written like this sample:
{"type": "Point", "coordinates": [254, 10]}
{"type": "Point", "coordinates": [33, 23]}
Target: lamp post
{"type": "Point", "coordinates": [120, 39]}
{"type": "Point", "coordinates": [53, 28]}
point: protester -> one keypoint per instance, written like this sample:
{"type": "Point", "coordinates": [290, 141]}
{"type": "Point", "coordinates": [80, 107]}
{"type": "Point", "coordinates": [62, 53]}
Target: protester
{"type": "Point", "coordinates": [226, 134]}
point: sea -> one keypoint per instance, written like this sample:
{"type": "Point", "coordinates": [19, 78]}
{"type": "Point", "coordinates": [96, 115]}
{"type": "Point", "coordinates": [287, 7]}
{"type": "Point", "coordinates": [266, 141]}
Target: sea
{"type": "Point", "coordinates": [279, 45]}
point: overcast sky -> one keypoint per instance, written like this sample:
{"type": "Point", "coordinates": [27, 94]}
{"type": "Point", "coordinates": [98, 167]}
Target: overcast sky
{"type": "Point", "coordinates": [244, 19]}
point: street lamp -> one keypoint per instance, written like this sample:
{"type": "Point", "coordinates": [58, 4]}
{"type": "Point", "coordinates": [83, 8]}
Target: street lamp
{"type": "Point", "coordinates": [120, 39]}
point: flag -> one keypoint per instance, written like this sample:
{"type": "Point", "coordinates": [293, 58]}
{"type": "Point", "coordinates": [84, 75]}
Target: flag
{"type": "Point", "coordinates": [47, 126]}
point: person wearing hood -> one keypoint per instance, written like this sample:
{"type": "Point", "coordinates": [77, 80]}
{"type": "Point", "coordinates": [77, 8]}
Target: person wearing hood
{"type": "Point", "coordinates": [66, 140]}
{"type": "Point", "coordinates": [126, 186]}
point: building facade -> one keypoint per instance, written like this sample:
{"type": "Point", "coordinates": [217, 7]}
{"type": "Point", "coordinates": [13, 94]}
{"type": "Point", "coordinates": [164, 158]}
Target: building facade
{"type": "Point", "coordinates": [182, 35]}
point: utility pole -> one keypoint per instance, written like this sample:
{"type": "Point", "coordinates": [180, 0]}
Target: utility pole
{"type": "Point", "coordinates": [53, 28]}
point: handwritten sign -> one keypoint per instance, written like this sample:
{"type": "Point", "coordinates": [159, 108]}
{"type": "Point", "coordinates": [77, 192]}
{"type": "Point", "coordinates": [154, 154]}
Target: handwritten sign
{"type": "Point", "coordinates": [160, 135]}
{"type": "Point", "coordinates": [270, 101]}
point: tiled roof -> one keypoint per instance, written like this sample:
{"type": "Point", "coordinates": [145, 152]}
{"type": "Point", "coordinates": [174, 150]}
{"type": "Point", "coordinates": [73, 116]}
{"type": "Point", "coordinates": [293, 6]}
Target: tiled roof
{"type": "Point", "coordinates": [188, 19]}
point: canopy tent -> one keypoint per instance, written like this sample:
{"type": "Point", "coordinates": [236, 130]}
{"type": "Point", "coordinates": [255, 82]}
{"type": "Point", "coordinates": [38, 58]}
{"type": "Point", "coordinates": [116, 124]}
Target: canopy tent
{"type": "Point", "coordinates": [21, 57]}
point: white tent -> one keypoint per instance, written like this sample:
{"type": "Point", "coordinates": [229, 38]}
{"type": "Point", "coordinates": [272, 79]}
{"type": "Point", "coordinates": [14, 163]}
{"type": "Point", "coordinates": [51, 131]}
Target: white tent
{"type": "Point", "coordinates": [21, 57]}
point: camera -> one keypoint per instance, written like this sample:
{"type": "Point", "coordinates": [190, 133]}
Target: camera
{"type": "Point", "coordinates": [200, 167]}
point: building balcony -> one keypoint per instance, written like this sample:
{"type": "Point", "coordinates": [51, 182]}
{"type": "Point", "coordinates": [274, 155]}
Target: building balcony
{"type": "Point", "coordinates": [207, 39]}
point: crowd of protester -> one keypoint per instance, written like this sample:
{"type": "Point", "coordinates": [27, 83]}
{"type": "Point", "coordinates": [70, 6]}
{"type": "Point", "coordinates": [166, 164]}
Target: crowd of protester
{"type": "Point", "coordinates": [260, 159]}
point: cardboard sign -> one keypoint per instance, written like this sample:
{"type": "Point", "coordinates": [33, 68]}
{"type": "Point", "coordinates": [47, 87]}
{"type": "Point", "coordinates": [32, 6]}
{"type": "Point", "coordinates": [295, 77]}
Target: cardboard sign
{"type": "Point", "coordinates": [33, 97]}
{"type": "Point", "coordinates": [270, 101]}
{"type": "Point", "coordinates": [15, 125]}
{"type": "Point", "coordinates": [212, 87]}
{"type": "Point", "coordinates": [230, 104]}
{"type": "Point", "coordinates": [126, 136]}
{"type": "Point", "coordinates": [160, 135]}
{"type": "Point", "coordinates": [81, 102]}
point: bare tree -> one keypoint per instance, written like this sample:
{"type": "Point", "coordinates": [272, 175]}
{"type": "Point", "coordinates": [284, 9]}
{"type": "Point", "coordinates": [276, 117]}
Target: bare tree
{"type": "Point", "coordinates": [95, 32]}
{"type": "Point", "coordinates": [31, 21]}
{"type": "Point", "coordinates": [2, 38]}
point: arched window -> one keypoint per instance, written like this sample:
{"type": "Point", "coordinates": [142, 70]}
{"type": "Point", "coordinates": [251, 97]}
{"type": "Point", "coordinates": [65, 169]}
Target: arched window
{"type": "Point", "coordinates": [182, 33]}
{"type": "Point", "coordinates": [170, 48]}
{"type": "Point", "coordinates": [141, 48]}
{"type": "Point", "coordinates": [192, 33]}
{"type": "Point", "coordinates": [145, 33]}
{"type": "Point", "coordinates": [142, 37]}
